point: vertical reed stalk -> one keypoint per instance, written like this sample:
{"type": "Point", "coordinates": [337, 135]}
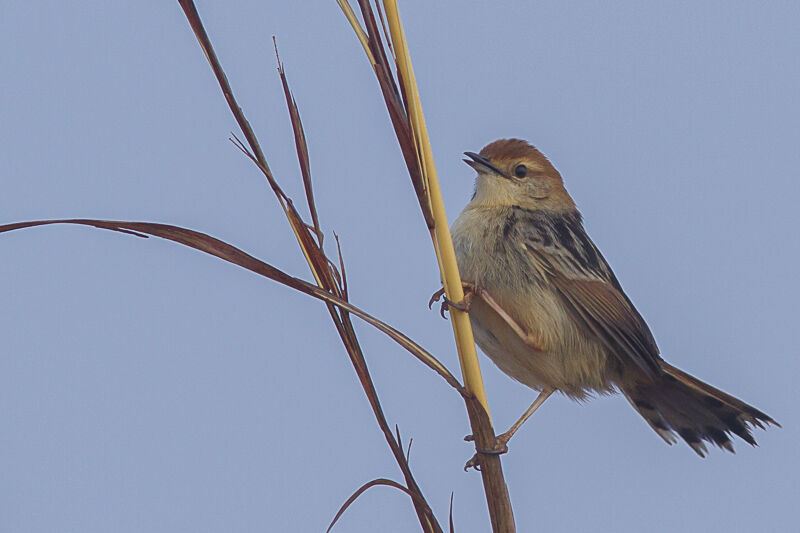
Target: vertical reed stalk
{"type": "Point", "coordinates": [412, 134]}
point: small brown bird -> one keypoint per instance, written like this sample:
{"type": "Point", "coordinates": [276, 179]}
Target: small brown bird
{"type": "Point", "coordinates": [548, 310]}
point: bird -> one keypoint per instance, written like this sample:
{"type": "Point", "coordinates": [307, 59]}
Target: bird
{"type": "Point", "coordinates": [548, 310]}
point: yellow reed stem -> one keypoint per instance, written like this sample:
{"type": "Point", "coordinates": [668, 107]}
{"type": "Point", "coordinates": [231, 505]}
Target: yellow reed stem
{"type": "Point", "coordinates": [443, 242]}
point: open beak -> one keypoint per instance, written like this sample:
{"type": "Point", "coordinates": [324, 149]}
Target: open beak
{"type": "Point", "coordinates": [482, 164]}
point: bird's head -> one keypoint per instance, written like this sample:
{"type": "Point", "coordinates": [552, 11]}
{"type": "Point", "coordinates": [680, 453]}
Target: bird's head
{"type": "Point", "coordinates": [512, 172]}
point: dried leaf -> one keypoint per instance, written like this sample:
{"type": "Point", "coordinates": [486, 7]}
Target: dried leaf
{"type": "Point", "coordinates": [375, 482]}
{"type": "Point", "coordinates": [300, 145]}
{"type": "Point", "coordinates": [210, 245]}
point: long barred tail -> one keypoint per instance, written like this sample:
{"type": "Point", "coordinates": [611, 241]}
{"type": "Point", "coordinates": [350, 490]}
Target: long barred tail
{"type": "Point", "coordinates": [680, 403]}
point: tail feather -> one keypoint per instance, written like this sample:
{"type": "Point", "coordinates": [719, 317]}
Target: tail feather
{"type": "Point", "coordinates": [680, 403]}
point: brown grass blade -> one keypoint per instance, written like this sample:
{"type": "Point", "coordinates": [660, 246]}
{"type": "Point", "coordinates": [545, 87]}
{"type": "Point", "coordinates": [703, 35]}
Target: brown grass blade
{"type": "Point", "coordinates": [300, 145]}
{"type": "Point", "coordinates": [426, 186]}
{"type": "Point", "coordinates": [321, 267]}
{"type": "Point", "coordinates": [450, 524]}
{"type": "Point", "coordinates": [341, 266]}
{"type": "Point", "coordinates": [376, 482]}
{"type": "Point", "coordinates": [376, 43]}
{"type": "Point", "coordinates": [394, 100]}
{"type": "Point", "coordinates": [212, 246]}
{"type": "Point", "coordinates": [205, 43]}
{"type": "Point", "coordinates": [386, 36]}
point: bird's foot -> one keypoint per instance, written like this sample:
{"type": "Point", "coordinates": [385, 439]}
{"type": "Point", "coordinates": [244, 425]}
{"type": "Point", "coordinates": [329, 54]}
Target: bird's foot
{"type": "Point", "coordinates": [435, 297]}
{"type": "Point", "coordinates": [463, 305]}
{"type": "Point", "coordinates": [498, 447]}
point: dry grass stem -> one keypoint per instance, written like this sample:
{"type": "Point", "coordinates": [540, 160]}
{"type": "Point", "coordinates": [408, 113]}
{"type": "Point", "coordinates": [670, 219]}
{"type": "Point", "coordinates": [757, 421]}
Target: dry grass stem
{"type": "Point", "coordinates": [401, 97]}
{"type": "Point", "coordinates": [212, 246]}
{"type": "Point", "coordinates": [412, 135]}
{"type": "Point", "coordinates": [465, 343]}
{"type": "Point", "coordinates": [322, 268]}
{"type": "Point", "coordinates": [368, 485]}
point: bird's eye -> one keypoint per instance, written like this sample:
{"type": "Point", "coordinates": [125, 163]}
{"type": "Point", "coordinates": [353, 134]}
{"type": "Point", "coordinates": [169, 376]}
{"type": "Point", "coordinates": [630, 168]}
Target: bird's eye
{"type": "Point", "coordinates": [520, 171]}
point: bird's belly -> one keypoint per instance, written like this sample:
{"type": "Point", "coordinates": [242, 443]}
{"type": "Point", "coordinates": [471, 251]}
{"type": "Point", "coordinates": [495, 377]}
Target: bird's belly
{"type": "Point", "coordinates": [569, 361]}
{"type": "Point", "coordinates": [572, 361]}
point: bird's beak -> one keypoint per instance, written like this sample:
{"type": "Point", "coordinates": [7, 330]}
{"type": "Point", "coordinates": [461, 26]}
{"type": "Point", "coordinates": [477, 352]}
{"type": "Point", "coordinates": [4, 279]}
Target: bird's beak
{"type": "Point", "coordinates": [482, 164]}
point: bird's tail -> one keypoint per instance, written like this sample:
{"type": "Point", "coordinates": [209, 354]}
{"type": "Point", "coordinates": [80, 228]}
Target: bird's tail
{"type": "Point", "coordinates": [677, 402]}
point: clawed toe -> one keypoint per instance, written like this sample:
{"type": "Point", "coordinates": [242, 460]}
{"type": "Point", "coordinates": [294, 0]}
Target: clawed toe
{"type": "Point", "coordinates": [499, 447]}
{"type": "Point", "coordinates": [435, 297]}
{"type": "Point", "coordinates": [475, 463]}
{"type": "Point", "coordinates": [464, 305]}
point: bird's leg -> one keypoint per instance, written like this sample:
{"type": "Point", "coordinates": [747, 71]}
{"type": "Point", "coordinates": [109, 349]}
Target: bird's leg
{"type": "Point", "coordinates": [533, 342]}
{"type": "Point", "coordinates": [505, 437]}
{"type": "Point", "coordinates": [471, 290]}
{"type": "Point", "coordinates": [501, 441]}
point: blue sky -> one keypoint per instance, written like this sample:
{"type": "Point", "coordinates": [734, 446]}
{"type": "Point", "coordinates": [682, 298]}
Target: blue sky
{"type": "Point", "coordinates": [145, 387]}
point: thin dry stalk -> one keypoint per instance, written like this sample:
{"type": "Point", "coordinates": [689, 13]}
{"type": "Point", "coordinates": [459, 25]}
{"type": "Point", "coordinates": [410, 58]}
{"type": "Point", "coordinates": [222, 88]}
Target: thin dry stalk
{"type": "Point", "coordinates": [212, 246]}
{"type": "Point", "coordinates": [441, 235]}
{"type": "Point", "coordinates": [368, 485]}
{"type": "Point", "coordinates": [321, 267]}
{"type": "Point", "coordinates": [331, 283]}
{"type": "Point", "coordinates": [411, 132]}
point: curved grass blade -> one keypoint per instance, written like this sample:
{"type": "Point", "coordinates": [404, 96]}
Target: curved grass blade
{"type": "Point", "coordinates": [375, 482]}
{"type": "Point", "coordinates": [212, 246]}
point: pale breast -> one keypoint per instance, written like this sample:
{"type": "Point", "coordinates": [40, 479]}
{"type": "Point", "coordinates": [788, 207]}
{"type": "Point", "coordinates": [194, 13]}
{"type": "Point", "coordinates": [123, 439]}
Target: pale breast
{"type": "Point", "coordinates": [491, 254]}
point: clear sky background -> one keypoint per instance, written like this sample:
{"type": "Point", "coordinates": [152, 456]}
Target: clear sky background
{"type": "Point", "coordinates": [147, 387]}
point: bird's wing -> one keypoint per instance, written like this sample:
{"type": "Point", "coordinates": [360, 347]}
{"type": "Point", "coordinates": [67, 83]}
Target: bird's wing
{"type": "Point", "coordinates": [590, 292]}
